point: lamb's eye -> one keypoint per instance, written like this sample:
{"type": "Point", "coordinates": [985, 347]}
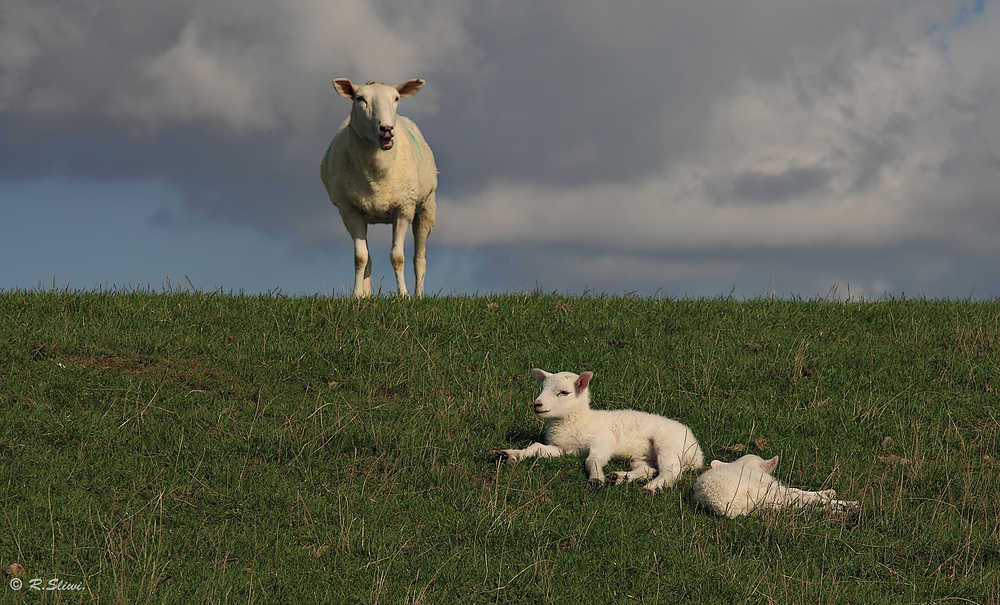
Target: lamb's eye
{"type": "Point", "coordinates": [563, 393]}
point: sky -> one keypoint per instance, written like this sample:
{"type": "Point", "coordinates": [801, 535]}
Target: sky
{"type": "Point", "coordinates": [790, 148]}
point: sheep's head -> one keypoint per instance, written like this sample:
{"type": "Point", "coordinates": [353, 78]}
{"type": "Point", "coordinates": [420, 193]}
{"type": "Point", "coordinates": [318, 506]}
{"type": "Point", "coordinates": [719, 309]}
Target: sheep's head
{"type": "Point", "coordinates": [563, 394]}
{"type": "Point", "coordinates": [373, 116]}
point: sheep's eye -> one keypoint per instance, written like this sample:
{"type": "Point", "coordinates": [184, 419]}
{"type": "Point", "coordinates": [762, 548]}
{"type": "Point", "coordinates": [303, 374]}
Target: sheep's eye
{"type": "Point", "coordinates": [563, 393]}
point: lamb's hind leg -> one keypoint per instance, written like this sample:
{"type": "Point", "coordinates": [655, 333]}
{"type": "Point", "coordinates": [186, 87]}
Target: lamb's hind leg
{"type": "Point", "coordinates": [826, 498]}
{"type": "Point", "coordinates": [802, 497]}
{"type": "Point", "coordinates": [423, 224]}
{"type": "Point", "coordinates": [640, 470]}
{"type": "Point", "coordinates": [670, 468]}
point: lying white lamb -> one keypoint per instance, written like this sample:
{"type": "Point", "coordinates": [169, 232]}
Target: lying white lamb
{"type": "Point", "coordinates": [656, 447]}
{"type": "Point", "coordinates": [379, 169]}
{"type": "Point", "coordinates": [738, 488]}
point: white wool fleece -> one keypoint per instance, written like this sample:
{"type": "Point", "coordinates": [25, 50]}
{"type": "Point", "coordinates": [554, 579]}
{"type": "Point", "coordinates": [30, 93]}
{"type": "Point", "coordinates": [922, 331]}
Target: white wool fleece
{"type": "Point", "coordinates": [658, 448]}
{"type": "Point", "coordinates": [732, 489]}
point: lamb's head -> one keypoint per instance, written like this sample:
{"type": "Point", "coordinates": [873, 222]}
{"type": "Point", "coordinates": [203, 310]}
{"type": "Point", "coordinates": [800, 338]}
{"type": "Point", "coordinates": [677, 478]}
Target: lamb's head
{"type": "Point", "coordinates": [373, 116]}
{"type": "Point", "coordinates": [563, 394]}
{"type": "Point", "coordinates": [751, 461]}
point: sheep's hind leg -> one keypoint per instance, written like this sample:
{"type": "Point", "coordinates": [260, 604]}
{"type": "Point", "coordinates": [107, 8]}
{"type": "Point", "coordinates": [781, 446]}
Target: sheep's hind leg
{"type": "Point", "coordinates": [396, 255]}
{"type": "Point", "coordinates": [423, 224]}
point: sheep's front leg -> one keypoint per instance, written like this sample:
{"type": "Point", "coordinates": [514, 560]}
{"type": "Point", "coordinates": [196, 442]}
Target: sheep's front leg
{"type": "Point", "coordinates": [396, 255]}
{"type": "Point", "coordinates": [358, 229]}
{"type": "Point", "coordinates": [535, 449]}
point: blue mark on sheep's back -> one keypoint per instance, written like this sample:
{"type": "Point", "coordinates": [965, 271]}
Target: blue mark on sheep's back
{"type": "Point", "coordinates": [415, 144]}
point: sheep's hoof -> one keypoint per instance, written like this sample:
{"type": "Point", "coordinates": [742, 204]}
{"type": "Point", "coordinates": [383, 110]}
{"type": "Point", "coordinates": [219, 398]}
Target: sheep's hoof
{"type": "Point", "coordinates": [613, 478]}
{"type": "Point", "coordinates": [650, 490]}
{"type": "Point", "coordinates": [595, 481]}
{"type": "Point", "coordinates": [828, 494]}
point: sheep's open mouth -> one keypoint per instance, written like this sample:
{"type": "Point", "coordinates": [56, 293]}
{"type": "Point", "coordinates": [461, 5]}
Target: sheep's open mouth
{"type": "Point", "coordinates": [385, 142]}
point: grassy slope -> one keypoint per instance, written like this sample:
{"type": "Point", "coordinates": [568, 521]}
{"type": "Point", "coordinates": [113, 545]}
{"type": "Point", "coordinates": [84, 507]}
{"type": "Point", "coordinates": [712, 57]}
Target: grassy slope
{"type": "Point", "coordinates": [210, 449]}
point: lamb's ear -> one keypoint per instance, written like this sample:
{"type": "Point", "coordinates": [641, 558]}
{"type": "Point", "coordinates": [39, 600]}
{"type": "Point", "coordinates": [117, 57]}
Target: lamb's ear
{"type": "Point", "coordinates": [540, 374]}
{"type": "Point", "coordinates": [345, 88]}
{"type": "Point", "coordinates": [410, 87]}
{"type": "Point", "coordinates": [768, 465]}
{"type": "Point", "coordinates": [583, 381]}
{"type": "Point", "coordinates": [717, 463]}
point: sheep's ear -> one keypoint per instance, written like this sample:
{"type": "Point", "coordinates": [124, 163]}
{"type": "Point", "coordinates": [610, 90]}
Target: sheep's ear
{"type": "Point", "coordinates": [345, 88]}
{"type": "Point", "coordinates": [768, 465]}
{"type": "Point", "coordinates": [583, 381]}
{"type": "Point", "coordinates": [410, 87]}
{"type": "Point", "coordinates": [539, 374]}
{"type": "Point", "coordinates": [717, 463]}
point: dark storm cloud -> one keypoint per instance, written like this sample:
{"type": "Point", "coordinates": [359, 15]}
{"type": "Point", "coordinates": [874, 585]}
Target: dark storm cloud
{"type": "Point", "coordinates": [776, 188]}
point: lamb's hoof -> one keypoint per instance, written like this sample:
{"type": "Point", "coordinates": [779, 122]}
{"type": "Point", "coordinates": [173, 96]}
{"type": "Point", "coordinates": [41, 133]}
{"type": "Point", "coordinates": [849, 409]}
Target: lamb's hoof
{"type": "Point", "coordinates": [613, 478]}
{"type": "Point", "coordinates": [828, 494]}
{"type": "Point", "coordinates": [500, 455]}
{"type": "Point", "coordinates": [651, 489]}
{"type": "Point", "coordinates": [595, 481]}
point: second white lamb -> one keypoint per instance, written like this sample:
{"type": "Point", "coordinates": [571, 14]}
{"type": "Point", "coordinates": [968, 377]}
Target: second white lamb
{"type": "Point", "coordinates": [658, 449]}
{"type": "Point", "coordinates": [732, 489]}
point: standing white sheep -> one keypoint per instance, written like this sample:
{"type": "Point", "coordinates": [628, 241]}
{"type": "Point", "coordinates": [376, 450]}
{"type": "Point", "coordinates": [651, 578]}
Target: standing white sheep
{"type": "Point", "coordinates": [655, 446]}
{"type": "Point", "coordinates": [379, 169]}
{"type": "Point", "coordinates": [738, 488]}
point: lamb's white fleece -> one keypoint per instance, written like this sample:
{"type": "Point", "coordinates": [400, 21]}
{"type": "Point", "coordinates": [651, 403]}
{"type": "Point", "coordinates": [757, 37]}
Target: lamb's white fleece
{"type": "Point", "coordinates": [731, 489]}
{"type": "Point", "coordinates": [658, 448]}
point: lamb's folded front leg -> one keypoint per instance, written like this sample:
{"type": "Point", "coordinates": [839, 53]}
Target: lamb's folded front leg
{"type": "Point", "coordinates": [597, 459]}
{"type": "Point", "coordinates": [535, 449]}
